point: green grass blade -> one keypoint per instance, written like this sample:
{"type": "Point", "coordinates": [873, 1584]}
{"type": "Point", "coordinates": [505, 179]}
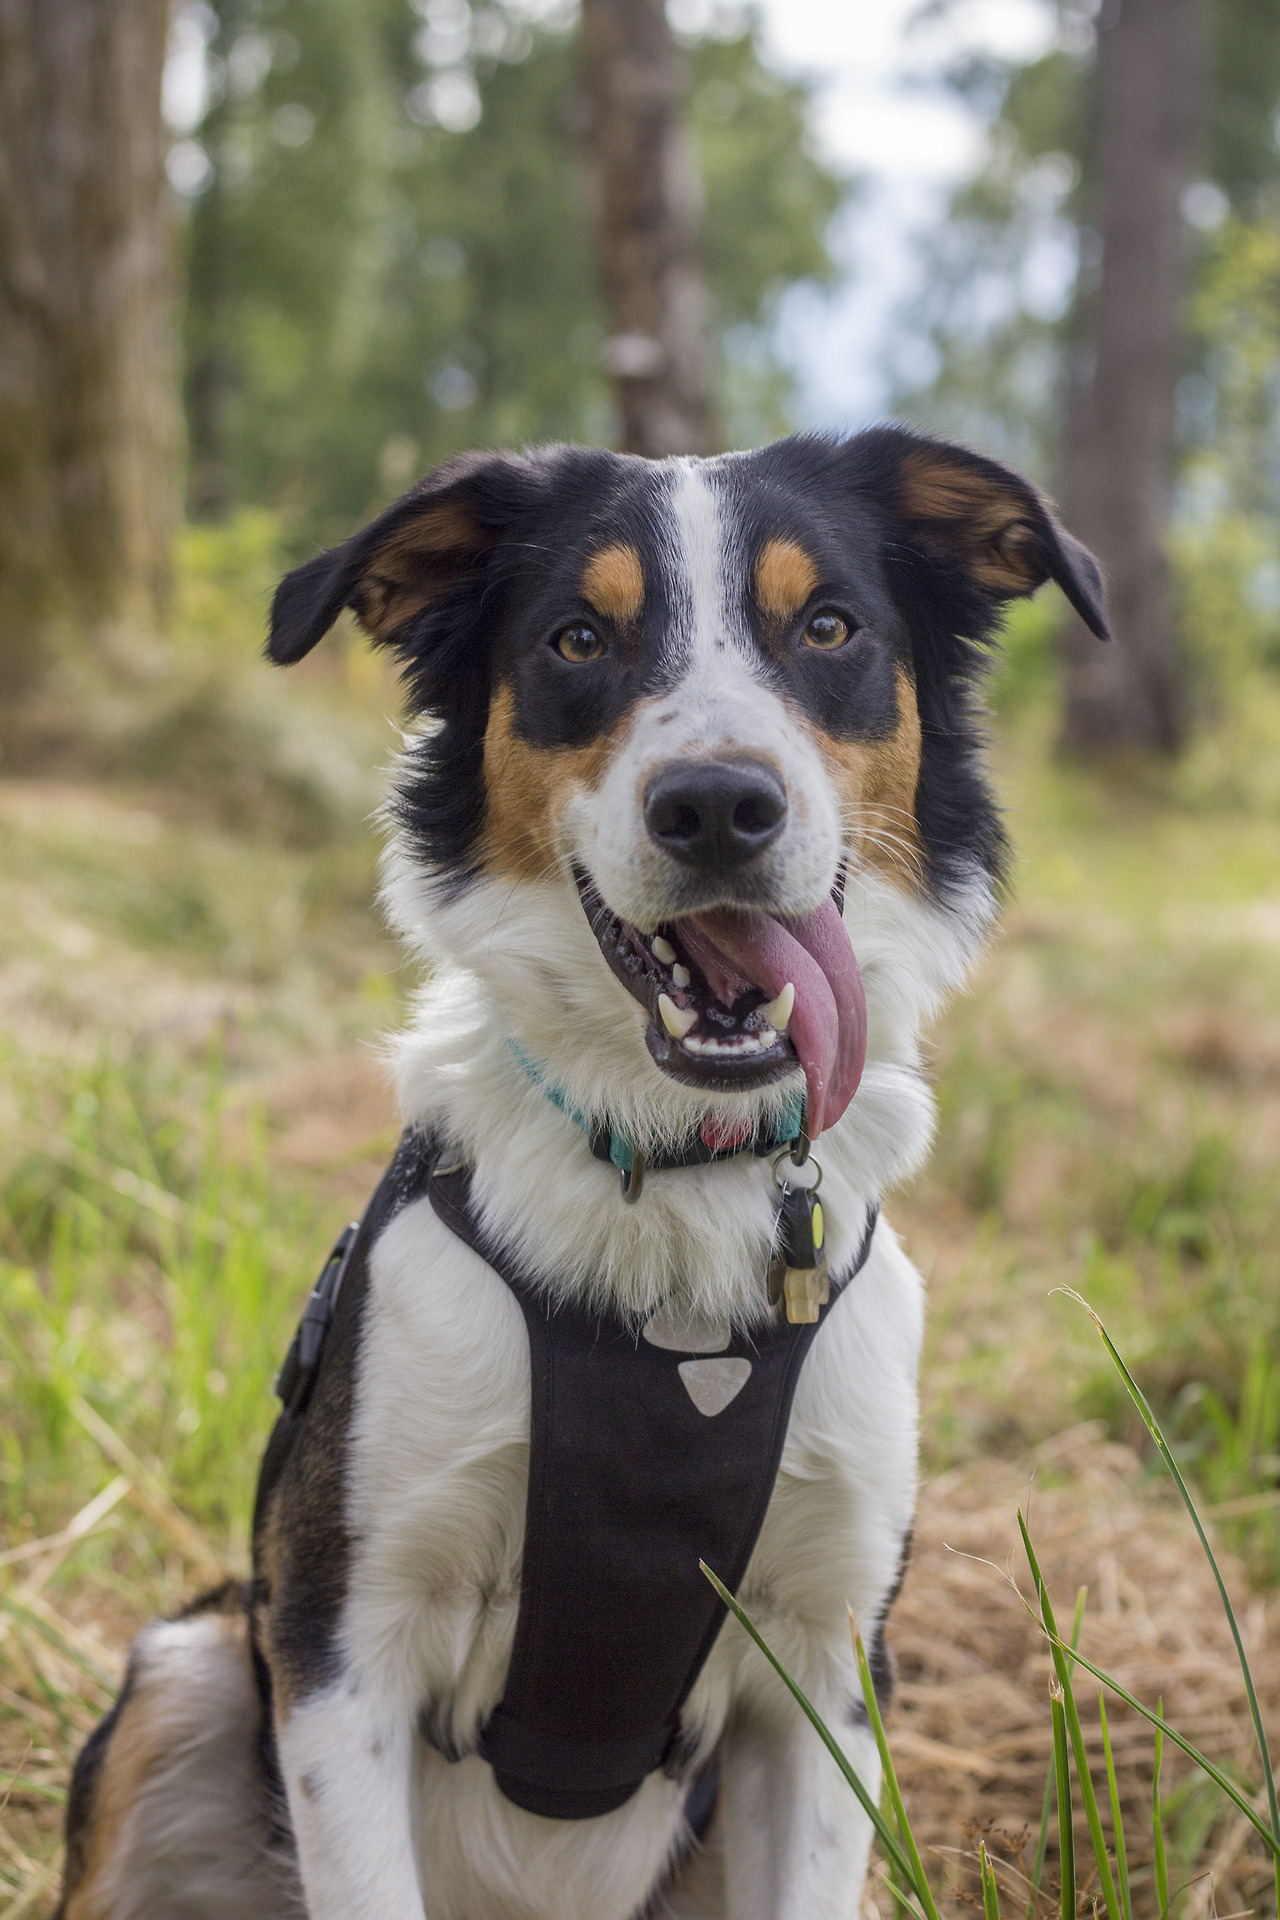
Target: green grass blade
{"type": "Point", "coordinates": [895, 1890]}
{"type": "Point", "coordinates": [1153, 1428]}
{"type": "Point", "coordinates": [1046, 1801]}
{"type": "Point", "coordinates": [1042, 1842]}
{"type": "Point", "coordinates": [990, 1891]}
{"type": "Point", "coordinates": [890, 1874]}
{"type": "Point", "coordinates": [1117, 1820]}
{"type": "Point", "coordinates": [1062, 1780]}
{"type": "Point", "coordinates": [1062, 1665]}
{"type": "Point", "coordinates": [1157, 1818]}
{"type": "Point", "coordinates": [888, 1839]}
{"type": "Point", "coordinates": [920, 1879]}
{"type": "Point", "coordinates": [1193, 1753]}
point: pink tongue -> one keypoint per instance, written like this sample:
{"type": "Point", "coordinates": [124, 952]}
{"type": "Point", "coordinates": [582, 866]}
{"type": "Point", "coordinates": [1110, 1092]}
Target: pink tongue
{"type": "Point", "coordinates": [829, 1022]}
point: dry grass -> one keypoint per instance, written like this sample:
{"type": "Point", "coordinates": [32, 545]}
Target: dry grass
{"type": "Point", "coordinates": [970, 1731]}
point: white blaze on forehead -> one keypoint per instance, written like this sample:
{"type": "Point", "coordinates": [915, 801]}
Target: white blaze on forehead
{"type": "Point", "coordinates": [719, 701]}
{"type": "Point", "coordinates": [703, 560]}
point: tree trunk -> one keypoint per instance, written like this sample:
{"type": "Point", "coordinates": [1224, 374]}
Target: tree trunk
{"type": "Point", "coordinates": [1120, 445]}
{"type": "Point", "coordinates": [88, 409]}
{"type": "Point", "coordinates": [649, 204]}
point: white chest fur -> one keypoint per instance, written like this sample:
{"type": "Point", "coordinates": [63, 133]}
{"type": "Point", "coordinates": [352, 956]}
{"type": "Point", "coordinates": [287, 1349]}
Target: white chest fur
{"type": "Point", "coordinates": [438, 1472]}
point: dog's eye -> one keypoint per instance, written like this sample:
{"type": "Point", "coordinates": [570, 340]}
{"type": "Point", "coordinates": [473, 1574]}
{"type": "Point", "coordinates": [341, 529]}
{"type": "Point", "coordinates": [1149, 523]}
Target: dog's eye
{"type": "Point", "coordinates": [578, 644]}
{"type": "Point", "coordinates": [826, 631]}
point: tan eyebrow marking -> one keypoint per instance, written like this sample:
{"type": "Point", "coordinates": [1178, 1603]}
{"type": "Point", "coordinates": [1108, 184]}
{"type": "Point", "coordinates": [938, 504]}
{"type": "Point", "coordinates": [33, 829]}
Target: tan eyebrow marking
{"type": "Point", "coordinates": [785, 578]}
{"type": "Point", "coordinates": [613, 582]}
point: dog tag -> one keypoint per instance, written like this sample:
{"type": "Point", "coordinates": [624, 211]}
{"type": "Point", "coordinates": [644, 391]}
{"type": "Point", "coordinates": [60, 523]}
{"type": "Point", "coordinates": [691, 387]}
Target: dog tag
{"type": "Point", "coordinates": [798, 1271]}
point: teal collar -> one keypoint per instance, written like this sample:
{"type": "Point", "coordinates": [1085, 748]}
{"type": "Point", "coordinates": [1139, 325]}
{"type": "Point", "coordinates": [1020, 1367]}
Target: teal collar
{"type": "Point", "coordinates": [612, 1143]}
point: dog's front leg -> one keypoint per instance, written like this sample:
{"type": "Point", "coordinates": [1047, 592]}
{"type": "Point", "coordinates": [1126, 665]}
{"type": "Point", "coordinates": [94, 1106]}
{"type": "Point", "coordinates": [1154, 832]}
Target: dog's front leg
{"type": "Point", "coordinates": [347, 1760]}
{"type": "Point", "coordinates": [796, 1839]}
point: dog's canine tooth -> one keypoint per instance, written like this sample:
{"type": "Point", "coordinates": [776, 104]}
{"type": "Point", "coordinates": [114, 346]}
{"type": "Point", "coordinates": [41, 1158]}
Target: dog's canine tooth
{"type": "Point", "coordinates": [681, 975]}
{"type": "Point", "coordinates": [778, 1012]}
{"type": "Point", "coordinates": [676, 1020]}
{"type": "Point", "coordinates": [664, 951]}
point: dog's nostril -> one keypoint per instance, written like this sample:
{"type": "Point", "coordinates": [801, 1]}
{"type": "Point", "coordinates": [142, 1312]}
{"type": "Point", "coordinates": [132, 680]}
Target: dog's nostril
{"type": "Point", "coordinates": [715, 814]}
{"type": "Point", "coordinates": [758, 813]}
{"type": "Point", "coordinates": [681, 823]}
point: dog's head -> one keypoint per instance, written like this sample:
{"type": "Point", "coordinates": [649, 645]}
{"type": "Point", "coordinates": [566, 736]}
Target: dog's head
{"type": "Point", "coordinates": [684, 704]}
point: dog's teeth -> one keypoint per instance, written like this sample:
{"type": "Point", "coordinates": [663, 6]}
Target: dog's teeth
{"type": "Point", "coordinates": [676, 1020]}
{"type": "Point", "coordinates": [681, 976]}
{"type": "Point", "coordinates": [664, 951]}
{"type": "Point", "coordinates": [778, 1012]}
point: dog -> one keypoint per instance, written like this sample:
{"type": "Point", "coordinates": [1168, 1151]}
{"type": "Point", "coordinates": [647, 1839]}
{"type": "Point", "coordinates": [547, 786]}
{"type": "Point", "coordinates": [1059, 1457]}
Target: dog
{"type": "Point", "coordinates": [692, 838]}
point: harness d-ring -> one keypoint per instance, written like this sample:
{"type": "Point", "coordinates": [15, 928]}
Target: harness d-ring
{"type": "Point", "coordinates": [632, 1178]}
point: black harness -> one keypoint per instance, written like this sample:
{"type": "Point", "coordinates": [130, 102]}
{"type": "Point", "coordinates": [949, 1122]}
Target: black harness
{"type": "Point", "coordinates": [630, 1486]}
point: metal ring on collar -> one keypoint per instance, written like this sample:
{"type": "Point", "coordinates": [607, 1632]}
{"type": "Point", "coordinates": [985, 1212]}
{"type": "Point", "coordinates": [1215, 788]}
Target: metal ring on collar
{"type": "Point", "coordinates": [784, 1184]}
{"type": "Point", "coordinates": [632, 1178]}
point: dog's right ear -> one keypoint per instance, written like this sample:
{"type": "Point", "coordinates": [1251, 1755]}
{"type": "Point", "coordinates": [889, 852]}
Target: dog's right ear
{"type": "Point", "coordinates": [429, 544]}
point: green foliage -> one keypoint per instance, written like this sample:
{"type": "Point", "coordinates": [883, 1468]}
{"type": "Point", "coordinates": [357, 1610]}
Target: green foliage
{"type": "Point", "coordinates": [224, 577]}
{"type": "Point", "coordinates": [148, 1268]}
{"type": "Point", "coordinates": [768, 198]}
{"type": "Point", "coordinates": [1015, 255]}
{"type": "Point", "coordinates": [288, 757]}
{"type": "Point", "coordinates": [1235, 317]}
{"type": "Point", "coordinates": [1241, 153]}
{"type": "Point", "coordinates": [991, 304]}
{"type": "Point", "coordinates": [1025, 664]}
{"type": "Point", "coordinates": [372, 289]}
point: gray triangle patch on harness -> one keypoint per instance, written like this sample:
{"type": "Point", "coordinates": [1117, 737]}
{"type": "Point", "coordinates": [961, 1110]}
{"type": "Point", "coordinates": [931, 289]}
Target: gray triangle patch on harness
{"type": "Point", "coordinates": [712, 1384]}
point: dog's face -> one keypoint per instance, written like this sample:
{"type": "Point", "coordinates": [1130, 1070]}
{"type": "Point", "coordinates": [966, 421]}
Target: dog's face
{"type": "Point", "coordinates": [696, 697]}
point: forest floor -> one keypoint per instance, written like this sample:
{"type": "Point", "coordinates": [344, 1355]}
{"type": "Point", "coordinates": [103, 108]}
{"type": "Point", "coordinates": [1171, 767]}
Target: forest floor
{"type": "Point", "coordinates": [193, 1101]}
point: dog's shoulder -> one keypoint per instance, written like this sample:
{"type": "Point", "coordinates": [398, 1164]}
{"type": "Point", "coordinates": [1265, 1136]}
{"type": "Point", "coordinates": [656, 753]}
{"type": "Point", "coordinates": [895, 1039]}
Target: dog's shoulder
{"type": "Point", "coordinates": [406, 1475]}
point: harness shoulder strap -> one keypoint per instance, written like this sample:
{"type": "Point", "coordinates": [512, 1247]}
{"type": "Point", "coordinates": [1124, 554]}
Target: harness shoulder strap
{"type": "Point", "coordinates": [296, 1381]}
{"type": "Point", "coordinates": [642, 1462]}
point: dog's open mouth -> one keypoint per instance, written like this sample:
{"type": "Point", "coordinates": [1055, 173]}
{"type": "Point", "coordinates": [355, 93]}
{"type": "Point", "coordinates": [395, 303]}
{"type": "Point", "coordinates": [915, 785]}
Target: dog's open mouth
{"type": "Point", "coordinates": [737, 1000]}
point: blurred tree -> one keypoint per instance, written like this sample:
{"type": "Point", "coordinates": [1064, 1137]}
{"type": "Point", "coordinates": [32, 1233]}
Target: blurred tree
{"type": "Point", "coordinates": [87, 415]}
{"type": "Point", "coordinates": [647, 217]}
{"type": "Point", "coordinates": [1013, 272]}
{"type": "Point", "coordinates": [390, 251]}
{"type": "Point", "coordinates": [1120, 444]}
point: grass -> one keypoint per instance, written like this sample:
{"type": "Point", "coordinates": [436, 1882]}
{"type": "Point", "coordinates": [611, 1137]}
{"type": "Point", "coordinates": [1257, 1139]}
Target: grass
{"type": "Point", "coordinates": [911, 1884]}
{"type": "Point", "coordinates": [193, 982]}
{"type": "Point", "coordinates": [1110, 1117]}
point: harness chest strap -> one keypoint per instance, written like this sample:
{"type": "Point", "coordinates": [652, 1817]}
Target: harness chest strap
{"type": "Point", "coordinates": [630, 1485]}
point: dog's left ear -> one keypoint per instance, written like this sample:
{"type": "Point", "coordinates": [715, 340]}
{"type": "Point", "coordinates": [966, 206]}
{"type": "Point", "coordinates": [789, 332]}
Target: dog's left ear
{"type": "Point", "coordinates": [962, 508]}
{"type": "Point", "coordinates": [431, 544]}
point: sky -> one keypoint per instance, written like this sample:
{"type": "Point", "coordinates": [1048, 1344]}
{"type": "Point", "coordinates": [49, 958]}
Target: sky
{"type": "Point", "coordinates": [876, 115]}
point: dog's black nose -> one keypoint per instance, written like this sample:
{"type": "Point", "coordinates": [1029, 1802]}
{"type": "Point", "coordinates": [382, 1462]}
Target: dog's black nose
{"type": "Point", "coordinates": [715, 814]}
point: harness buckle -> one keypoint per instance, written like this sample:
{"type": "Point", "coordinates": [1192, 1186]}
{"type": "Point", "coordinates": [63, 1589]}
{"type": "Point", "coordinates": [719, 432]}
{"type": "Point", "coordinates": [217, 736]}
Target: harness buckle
{"type": "Point", "coordinates": [297, 1377]}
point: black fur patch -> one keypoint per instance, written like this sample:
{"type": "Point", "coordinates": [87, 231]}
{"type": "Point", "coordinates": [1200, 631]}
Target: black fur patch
{"type": "Point", "coordinates": [917, 543]}
{"type": "Point", "coordinates": [884, 1670]}
{"type": "Point", "coordinates": [302, 1497]}
{"type": "Point", "coordinates": [81, 1798]}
